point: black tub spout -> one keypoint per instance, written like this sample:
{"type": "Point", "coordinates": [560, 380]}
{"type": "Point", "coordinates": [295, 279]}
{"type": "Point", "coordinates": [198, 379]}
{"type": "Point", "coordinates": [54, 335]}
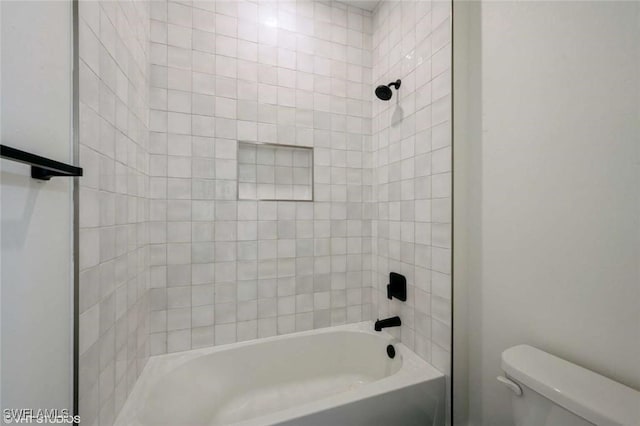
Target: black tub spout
{"type": "Point", "coordinates": [388, 322]}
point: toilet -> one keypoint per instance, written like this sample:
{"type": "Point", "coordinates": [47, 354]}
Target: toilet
{"type": "Point", "coordinates": [549, 391]}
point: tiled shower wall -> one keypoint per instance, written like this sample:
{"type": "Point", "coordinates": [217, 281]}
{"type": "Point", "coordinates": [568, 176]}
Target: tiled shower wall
{"type": "Point", "coordinates": [159, 207]}
{"type": "Point", "coordinates": [113, 344]}
{"type": "Point", "coordinates": [297, 73]}
{"type": "Point", "coordinates": [412, 171]}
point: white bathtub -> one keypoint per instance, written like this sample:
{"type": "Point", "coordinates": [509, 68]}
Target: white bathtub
{"type": "Point", "coordinates": [333, 376]}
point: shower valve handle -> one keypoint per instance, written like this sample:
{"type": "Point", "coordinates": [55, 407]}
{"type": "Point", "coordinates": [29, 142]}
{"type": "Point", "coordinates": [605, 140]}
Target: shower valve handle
{"type": "Point", "coordinates": [397, 287]}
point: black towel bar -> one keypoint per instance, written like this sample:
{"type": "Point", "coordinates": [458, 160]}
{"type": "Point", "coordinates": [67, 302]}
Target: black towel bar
{"type": "Point", "coordinates": [41, 168]}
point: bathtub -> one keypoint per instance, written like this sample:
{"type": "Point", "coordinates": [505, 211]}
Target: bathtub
{"type": "Point", "coordinates": [333, 376]}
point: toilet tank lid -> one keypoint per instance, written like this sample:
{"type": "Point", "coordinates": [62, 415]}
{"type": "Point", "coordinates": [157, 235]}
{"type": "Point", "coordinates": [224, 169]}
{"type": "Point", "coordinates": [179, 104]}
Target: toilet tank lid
{"type": "Point", "coordinates": [589, 395]}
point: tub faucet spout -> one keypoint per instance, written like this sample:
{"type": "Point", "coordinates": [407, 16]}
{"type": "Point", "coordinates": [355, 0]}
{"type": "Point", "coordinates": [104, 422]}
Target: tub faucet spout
{"type": "Point", "coordinates": [388, 322]}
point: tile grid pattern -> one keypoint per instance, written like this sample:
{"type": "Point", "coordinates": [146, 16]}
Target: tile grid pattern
{"type": "Point", "coordinates": [224, 270]}
{"type": "Point", "coordinates": [114, 273]}
{"type": "Point", "coordinates": [412, 169]}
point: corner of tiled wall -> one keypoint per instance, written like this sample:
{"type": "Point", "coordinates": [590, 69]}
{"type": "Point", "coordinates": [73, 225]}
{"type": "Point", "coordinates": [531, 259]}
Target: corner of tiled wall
{"type": "Point", "coordinates": [114, 272]}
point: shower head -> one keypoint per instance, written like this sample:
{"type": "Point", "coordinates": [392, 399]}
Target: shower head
{"type": "Point", "coordinates": [384, 92]}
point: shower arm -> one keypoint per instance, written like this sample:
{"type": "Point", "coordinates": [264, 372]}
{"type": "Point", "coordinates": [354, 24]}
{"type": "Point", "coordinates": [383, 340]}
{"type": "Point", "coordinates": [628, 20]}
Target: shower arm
{"type": "Point", "coordinates": [395, 84]}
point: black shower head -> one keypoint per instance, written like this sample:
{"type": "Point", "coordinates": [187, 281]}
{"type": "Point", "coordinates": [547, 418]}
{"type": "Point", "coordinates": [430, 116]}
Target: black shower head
{"type": "Point", "coordinates": [384, 92]}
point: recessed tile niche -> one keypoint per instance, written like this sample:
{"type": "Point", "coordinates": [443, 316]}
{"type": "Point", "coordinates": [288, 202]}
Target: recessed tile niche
{"type": "Point", "coordinates": [274, 172]}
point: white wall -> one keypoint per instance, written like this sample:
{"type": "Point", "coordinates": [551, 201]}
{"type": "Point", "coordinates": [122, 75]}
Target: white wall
{"type": "Point", "coordinates": [36, 216]}
{"type": "Point", "coordinates": [547, 170]}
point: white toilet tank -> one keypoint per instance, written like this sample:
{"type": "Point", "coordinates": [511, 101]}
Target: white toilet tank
{"type": "Point", "coordinates": [549, 391]}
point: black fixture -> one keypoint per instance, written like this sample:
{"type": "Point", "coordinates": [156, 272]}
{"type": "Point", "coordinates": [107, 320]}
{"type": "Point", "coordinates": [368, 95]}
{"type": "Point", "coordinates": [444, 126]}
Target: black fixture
{"type": "Point", "coordinates": [397, 287]}
{"type": "Point", "coordinates": [41, 168]}
{"type": "Point", "coordinates": [391, 351]}
{"type": "Point", "coordinates": [384, 93]}
{"type": "Point", "coordinates": [388, 322]}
